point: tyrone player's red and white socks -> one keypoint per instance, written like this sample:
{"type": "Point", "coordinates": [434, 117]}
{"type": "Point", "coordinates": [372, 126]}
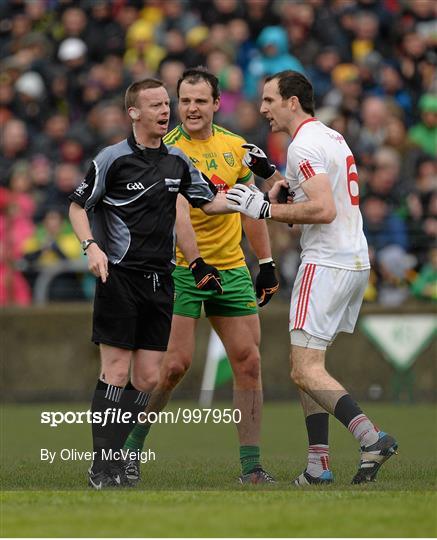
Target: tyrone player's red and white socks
{"type": "Point", "coordinates": [318, 459]}
{"type": "Point", "coordinates": [363, 430]}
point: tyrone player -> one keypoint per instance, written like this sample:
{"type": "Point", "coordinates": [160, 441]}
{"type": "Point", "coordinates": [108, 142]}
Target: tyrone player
{"type": "Point", "coordinates": [322, 177]}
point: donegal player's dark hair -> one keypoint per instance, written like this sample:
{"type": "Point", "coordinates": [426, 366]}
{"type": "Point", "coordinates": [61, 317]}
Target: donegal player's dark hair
{"type": "Point", "coordinates": [200, 73]}
{"type": "Point", "coordinates": [293, 83]}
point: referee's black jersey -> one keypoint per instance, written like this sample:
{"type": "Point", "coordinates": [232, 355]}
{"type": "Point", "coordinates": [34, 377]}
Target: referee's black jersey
{"type": "Point", "coordinates": [130, 195]}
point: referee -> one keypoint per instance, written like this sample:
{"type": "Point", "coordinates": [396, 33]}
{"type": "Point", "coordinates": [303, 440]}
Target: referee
{"type": "Point", "coordinates": [123, 213]}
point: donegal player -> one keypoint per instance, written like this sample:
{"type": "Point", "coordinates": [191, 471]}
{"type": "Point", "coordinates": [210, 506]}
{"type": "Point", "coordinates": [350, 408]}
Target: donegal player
{"type": "Point", "coordinates": [233, 314]}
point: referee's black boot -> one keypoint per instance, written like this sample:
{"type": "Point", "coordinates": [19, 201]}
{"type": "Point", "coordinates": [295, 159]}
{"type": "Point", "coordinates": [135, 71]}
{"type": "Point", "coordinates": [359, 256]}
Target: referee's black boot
{"type": "Point", "coordinates": [102, 478]}
{"type": "Point", "coordinates": [125, 472]}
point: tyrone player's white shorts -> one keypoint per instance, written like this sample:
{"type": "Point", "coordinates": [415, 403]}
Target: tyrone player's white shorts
{"type": "Point", "coordinates": [326, 301]}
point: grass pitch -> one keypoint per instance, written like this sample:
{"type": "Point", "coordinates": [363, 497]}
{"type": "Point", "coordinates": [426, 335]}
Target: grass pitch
{"type": "Point", "coordinates": [191, 490]}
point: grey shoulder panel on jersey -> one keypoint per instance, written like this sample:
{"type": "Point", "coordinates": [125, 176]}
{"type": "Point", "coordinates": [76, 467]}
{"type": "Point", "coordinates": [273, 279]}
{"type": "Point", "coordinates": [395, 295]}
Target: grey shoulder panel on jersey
{"type": "Point", "coordinates": [178, 152]}
{"type": "Point", "coordinates": [198, 192]}
{"type": "Point", "coordinates": [102, 163]}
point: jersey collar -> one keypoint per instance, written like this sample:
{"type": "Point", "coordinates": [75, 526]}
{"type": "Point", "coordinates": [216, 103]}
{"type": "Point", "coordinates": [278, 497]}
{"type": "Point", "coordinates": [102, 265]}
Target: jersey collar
{"type": "Point", "coordinates": [189, 138]}
{"type": "Point", "coordinates": [184, 133]}
{"type": "Point", "coordinates": [312, 119]}
{"type": "Point", "coordinates": [143, 150]}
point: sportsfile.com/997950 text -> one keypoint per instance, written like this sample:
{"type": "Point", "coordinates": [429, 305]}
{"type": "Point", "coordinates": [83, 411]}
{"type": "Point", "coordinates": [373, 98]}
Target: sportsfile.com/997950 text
{"type": "Point", "coordinates": [113, 415]}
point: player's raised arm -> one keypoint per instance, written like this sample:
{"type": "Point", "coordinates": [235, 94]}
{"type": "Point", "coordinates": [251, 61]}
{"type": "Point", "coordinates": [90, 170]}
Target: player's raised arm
{"type": "Point", "coordinates": [219, 205]}
{"type": "Point", "coordinates": [319, 208]}
{"type": "Point", "coordinates": [199, 191]}
{"type": "Point", "coordinates": [257, 161]}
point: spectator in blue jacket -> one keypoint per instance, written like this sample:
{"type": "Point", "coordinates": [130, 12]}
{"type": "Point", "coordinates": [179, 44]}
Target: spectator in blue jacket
{"type": "Point", "coordinates": [273, 56]}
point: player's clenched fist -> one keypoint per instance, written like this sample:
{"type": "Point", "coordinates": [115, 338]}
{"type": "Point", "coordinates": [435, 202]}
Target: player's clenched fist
{"type": "Point", "coordinates": [207, 277]}
{"type": "Point", "coordinates": [248, 200]}
{"type": "Point", "coordinates": [257, 161]}
{"type": "Point", "coordinates": [279, 193]}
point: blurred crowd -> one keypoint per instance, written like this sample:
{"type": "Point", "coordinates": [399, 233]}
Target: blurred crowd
{"type": "Point", "coordinates": [65, 64]}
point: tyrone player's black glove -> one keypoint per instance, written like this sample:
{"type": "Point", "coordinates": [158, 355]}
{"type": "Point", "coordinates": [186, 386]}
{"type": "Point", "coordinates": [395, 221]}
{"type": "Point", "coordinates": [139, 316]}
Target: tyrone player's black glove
{"type": "Point", "coordinates": [207, 277]}
{"type": "Point", "coordinates": [282, 196]}
{"type": "Point", "coordinates": [256, 160]}
{"type": "Point", "coordinates": [266, 283]}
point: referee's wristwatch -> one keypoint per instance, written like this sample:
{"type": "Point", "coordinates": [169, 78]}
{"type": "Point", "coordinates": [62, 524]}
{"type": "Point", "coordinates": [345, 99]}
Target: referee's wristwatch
{"type": "Point", "coordinates": [86, 244]}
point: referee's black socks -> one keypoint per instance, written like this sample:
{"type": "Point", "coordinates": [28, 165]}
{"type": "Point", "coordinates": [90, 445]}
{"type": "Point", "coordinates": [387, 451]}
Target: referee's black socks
{"type": "Point", "coordinates": [104, 406]}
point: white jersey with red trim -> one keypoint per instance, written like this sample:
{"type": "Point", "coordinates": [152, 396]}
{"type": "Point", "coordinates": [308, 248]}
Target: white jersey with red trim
{"type": "Point", "coordinates": [317, 149]}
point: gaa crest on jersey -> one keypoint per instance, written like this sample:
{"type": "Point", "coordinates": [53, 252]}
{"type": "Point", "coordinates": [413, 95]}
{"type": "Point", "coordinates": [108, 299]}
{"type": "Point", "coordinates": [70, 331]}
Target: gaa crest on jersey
{"type": "Point", "coordinates": [229, 158]}
{"type": "Point", "coordinates": [132, 186]}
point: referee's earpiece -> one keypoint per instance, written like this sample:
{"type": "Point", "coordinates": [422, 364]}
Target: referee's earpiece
{"type": "Point", "coordinates": [134, 114]}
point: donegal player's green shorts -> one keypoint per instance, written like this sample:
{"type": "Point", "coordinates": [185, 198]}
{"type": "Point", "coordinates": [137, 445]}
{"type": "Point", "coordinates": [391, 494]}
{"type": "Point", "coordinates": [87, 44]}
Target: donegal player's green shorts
{"type": "Point", "coordinates": [237, 300]}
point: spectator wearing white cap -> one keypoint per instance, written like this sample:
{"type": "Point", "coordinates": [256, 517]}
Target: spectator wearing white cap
{"type": "Point", "coordinates": [73, 54]}
{"type": "Point", "coordinates": [71, 51]}
{"type": "Point", "coordinates": [30, 104]}
{"type": "Point", "coordinates": [31, 85]}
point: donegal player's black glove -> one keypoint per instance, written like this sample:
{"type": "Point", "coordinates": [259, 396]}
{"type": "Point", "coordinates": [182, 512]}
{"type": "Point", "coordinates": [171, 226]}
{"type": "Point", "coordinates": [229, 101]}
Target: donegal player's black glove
{"type": "Point", "coordinates": [207, 277]}
{"type": "Point", "coordinates": [266, 283]}
{"type": "Point", "coordinates": [256, 160]}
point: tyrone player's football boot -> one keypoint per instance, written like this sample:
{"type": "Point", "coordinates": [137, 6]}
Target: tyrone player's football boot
{"type": "Point", "coordinates": [257, 476]}
{"type": "Point", "coordinates": [373, 456]}
{"type": "Point", "coordinates": [305, 479]}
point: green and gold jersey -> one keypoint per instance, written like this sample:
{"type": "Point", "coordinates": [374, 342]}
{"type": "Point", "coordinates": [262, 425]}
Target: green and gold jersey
{"type": "Point", "coordinates": [220, 159]}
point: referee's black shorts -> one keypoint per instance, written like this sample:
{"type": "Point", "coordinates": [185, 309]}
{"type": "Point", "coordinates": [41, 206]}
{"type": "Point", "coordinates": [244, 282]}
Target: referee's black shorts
{"type": "Point", "coordinates": [133, 310]}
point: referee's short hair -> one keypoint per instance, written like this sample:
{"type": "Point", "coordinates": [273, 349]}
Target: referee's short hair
{"type": "Point", "coordinates": [130, 98]}
{"type": "Point", "coordinates": [293, 83]}
{"type": "Point", "coordinates": [200, 73]}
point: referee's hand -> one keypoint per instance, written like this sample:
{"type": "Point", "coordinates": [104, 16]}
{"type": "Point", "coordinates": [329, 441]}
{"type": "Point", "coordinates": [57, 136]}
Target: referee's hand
{"type": "Point", "coordinates": [97, 262]}
{"type": "Point", "coordinates": [207, 277]}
